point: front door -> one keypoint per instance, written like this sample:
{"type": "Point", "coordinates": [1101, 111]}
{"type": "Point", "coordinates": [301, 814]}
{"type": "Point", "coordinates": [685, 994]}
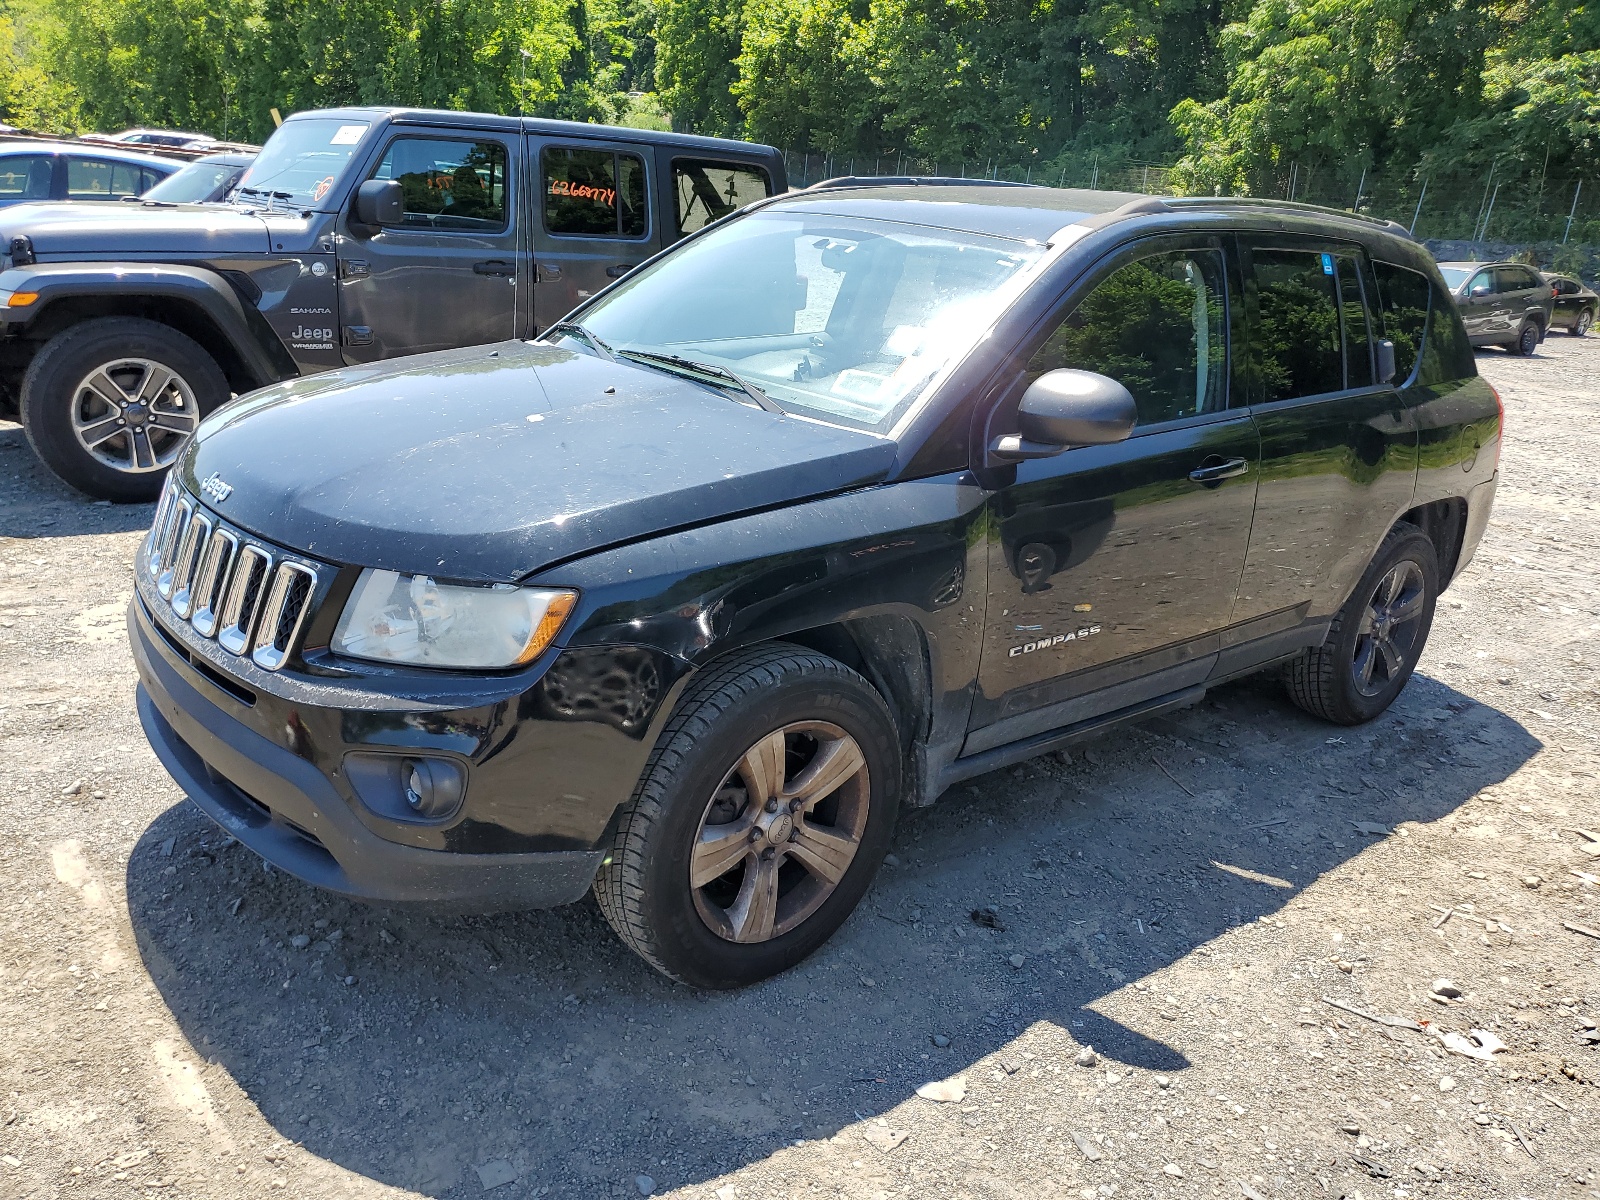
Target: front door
{"type": "Point", "coordinates": [1338, 448]}
{"type": "Point", "coordinates": [1114, 567]}
{"type": "Point", "coordinates": [1478, 305]}
{"type": "Point", "coordinates": [449, 275]}
{"type": "Point", "coordinates": [591, 220]}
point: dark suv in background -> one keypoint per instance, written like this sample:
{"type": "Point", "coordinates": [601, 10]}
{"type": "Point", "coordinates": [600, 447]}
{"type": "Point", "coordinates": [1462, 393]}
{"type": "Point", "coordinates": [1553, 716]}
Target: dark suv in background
{"type": "Point", "coordinates": [863, 492]}
{"type": "Point", "coordinates": [1502, 303]}
{"type": "Point", "coordinates": [356, 235]}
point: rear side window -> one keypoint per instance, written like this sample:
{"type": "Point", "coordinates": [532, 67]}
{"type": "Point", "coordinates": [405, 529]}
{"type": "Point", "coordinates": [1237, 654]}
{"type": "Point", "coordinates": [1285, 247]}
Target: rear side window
{"type": "Point", "coordinates": [1514, 279]}
{"type": "Point", "coordinates": [94, 179]}
{"type": "Point", "coordinates": [447, 184]}
{"type": "Point", "coordinates": [25, 177]}
{"type": "Point", "coordinates": [1298, 348]}
{"type": "Point", "coordinates": [1447, 353]}
{"type": "Point", "coordinates": [593, 193]}
{"type": "Point", "coordinates": [1403, 313]}
{"type": "Point", "coordinates": [1158, 327]}
{"type": "Point", "coordinates": [703, 191]}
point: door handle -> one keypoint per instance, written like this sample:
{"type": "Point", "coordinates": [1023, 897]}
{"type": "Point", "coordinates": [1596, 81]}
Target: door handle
{"type": "Point", "coordinates": [495, 266]}
{"type": "Point", "coordinates": [354, 268]}
{"type": "Point", "coordinates": [618, 271]}
{"type": "Point", "coordinates": [1216, 472]}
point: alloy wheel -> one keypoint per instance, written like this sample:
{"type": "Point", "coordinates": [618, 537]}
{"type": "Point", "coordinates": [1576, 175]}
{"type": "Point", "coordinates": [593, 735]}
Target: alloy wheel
{"type": "Point", "coordinates": [1387, 635]}
{"type": "Point", "coordinates": [1585, 319]}
{"type": "Point", "coordinates": [134, 414]}
{"type": "Point", "coordinates": [780, 831]}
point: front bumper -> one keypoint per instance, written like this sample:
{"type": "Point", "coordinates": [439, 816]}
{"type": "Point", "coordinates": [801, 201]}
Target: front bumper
{"type": "Point", "coordinates": [285, 806]}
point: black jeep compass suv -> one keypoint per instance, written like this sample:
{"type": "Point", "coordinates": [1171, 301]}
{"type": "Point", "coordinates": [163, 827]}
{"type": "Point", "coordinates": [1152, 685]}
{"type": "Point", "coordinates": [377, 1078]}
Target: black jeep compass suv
{"type": "Point", "coordinates": [852, 495]}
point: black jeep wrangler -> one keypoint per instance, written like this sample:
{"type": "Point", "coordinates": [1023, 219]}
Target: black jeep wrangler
{"type": "Point", "coordinates": [357, 235]}
{"type": "Point", "coordinates": [859, 493]}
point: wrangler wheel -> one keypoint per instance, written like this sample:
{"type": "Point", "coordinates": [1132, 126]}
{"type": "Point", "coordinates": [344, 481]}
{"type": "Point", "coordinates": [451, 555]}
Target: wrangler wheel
{"type": "Point", "coordinates": [111, 403]}
{"type": "Point", "coordinates": [759, 822]}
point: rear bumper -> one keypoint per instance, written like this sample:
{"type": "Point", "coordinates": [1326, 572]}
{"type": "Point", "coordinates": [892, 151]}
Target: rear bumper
{"type": "Point", "coordinates": [286, 810]}
{"type": "Point", "coordinates": [1480, 503]}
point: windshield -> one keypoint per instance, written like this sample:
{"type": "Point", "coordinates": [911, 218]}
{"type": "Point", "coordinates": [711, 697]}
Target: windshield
{"type": "Point", "coordinates": [196, 183]}
{"type": "Point", "coordinates": [302, 161]}
{"type": "Point", "coordinates": [840, 318]}
{"type": "Point", "coordinates": [1455, 276]}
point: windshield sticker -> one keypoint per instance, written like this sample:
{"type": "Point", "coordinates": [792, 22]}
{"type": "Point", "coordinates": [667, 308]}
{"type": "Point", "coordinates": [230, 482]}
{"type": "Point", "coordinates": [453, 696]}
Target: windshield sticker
{"type": "Point", "coordinates": [582, 191]}
{"type": "Point", "coordinates": [322, 188]}
{"type": "Point", "coordinates": [347, 135]}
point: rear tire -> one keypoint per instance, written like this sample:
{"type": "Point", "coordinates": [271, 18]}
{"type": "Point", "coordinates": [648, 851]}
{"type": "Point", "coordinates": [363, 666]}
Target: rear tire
{"type": "Point", "coordinates": [1527, 339]}
{"type": "Point", "coordinates": [713, 883]}
{"type": "Point", "coordinates": [1581, 326]}
{"type": "Point", "coordinates": [109, 404]}
{"type": "Point", "coordinates": [1375, 640]}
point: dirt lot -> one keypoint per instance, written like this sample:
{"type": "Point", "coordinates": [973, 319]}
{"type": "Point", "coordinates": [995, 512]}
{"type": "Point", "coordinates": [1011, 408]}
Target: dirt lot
{"type": "Point", "coordinates": [1187, 897]}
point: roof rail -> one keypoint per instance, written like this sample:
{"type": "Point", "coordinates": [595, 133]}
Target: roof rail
{"type": "Point", "coordinates": [1293, 205]}
{"type": "Point", "coordinates": [843, 181]}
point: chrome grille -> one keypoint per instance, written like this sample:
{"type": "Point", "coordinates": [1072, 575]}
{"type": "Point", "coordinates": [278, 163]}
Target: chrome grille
{"type": "Point", "coordinates": [252, 598]}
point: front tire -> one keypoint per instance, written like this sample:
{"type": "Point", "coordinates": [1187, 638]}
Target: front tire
{"type": "Point", "coordinates": [759, 822]}
{"type": "Point", "coordinates": [1527, 339]}
{"type": "Point", "coordinates": [1376, 639]}
{"type": "Point", "coordinates": [109, 404]}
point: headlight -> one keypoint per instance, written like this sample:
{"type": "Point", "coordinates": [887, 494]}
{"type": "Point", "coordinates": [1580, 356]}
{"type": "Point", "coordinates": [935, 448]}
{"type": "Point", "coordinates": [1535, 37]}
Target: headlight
{"type": "Point", "coordinates": [411, 619]}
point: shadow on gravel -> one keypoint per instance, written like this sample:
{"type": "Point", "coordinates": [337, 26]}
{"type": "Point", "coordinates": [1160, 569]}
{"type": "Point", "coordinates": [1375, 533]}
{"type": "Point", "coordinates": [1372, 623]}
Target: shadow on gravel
{"type": "Point", "coordinates": [413, 1050]}
{"type": "Point", "coordinates": [35, 504]}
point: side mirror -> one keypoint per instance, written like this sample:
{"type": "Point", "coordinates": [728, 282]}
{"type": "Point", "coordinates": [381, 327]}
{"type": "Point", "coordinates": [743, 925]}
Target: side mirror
{"type": "Point", "coordinates": [380, 202]}
{"type": "Point", "coordinates": [1480, 290]}
{"type": "Point", "coordinates": [1386, 364]}
{"type": "Point", "coordinates": [1068, 408]}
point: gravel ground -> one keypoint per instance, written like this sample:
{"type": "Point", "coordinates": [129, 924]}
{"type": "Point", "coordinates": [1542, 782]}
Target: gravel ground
{"type": "Point", "coordinates": [1217, 902]}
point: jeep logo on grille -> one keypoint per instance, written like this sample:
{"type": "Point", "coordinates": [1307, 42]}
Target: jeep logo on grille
{"type": "Point", "coordinates": [215, 488]}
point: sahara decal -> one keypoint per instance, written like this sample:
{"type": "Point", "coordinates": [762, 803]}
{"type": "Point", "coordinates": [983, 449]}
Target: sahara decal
{"type": "Point", "coordinates": [1047, 643]}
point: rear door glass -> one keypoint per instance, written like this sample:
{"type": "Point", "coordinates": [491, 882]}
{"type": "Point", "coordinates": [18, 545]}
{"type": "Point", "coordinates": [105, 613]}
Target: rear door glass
{"type": "Point", "coordinates": [704, 191]}
{"type": "Point", "coordinates": [1298, 348]}
{"type": "Point", "coordinates": [25, 177]}
{"type": "Point", "coordinates": [1357, 339]}
{"type": "Point", "coordinates": [1512, 279]}
{"type": "Point", "coordinates": [593, 193]}
{"type": "Point", "coordinates": [95, 179]}
{"type": "Point", "coordinates": [1403, 313]}
{"type": "Point", "coordinates": [448, 184]}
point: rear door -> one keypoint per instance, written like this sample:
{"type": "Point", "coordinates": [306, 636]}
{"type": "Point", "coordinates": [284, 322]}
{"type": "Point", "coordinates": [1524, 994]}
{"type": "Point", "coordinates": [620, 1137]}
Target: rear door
{"type": "Point", "coordinates": [449, 275]}
{"type": "Point", "coordinates": [1113, 568]}
{"type": "Point", "coordinates": [591, 219]}
{"type": "Point", "coordinates": [1522, 294]}
{"type": "Point", "coordinates": [25, 177]}
{"type": "Point", "coordinates": [1338, 448]}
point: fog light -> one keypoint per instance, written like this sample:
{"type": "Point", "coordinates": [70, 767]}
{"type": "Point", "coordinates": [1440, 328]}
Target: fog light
{"type": "Point", "coordinates": [432, 787]}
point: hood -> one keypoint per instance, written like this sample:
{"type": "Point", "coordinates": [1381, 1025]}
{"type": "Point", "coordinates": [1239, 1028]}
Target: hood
{"type": "Point", "coordinates": [490, 463]}
{"type": "Point", "coordinates": [65, 228]}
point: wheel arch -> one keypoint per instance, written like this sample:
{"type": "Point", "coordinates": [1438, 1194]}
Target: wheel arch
{"type": "Point", "coordinates": [200, 304]}
{"type": "Point", "coordinates": [1445, 523]}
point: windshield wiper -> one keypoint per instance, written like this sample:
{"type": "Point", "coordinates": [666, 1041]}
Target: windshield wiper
{"type": "Point", "coordinates": [586, 334]}
{"type": "Point", "coordinates": [688, 366]}
{"type": "Point", "coordinates": [270, 195]}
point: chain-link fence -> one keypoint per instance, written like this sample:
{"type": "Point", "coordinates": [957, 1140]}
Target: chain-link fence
{"type": "Point", "coordinates": [1524, 211]}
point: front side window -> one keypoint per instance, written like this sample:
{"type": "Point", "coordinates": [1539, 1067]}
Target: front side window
{"type": "Point", "coordinates": [448, 184]}
{"type": "Point", "coordinates": [593, 193]}
{"type": "Point", "coordinates": [1482, 280]}
{"type": "Point", "coordinates": [96, 179]}
{"type": "Point", "coordinates": [846, 319]}
{"type": "Point", "coordinates": [1158, 327]}
{"type": "Point", "coordinates": [25, 177]}
{"type": "Point", "coordinates": [706, 191]}
{"type": "Point", "coordinates": [1403, 313]}
{"type": "Point", "coordinates": [1298, 348]}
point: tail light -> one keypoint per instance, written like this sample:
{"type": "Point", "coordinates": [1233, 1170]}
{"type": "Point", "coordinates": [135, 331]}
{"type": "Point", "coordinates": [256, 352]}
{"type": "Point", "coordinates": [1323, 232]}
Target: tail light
{"type": "Point", "coordinates": [1500, 430]}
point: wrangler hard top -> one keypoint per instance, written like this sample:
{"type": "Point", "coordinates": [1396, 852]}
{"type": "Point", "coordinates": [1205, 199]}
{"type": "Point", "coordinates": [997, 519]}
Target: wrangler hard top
{"type": "Point", "coordinates": [357, 234]}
